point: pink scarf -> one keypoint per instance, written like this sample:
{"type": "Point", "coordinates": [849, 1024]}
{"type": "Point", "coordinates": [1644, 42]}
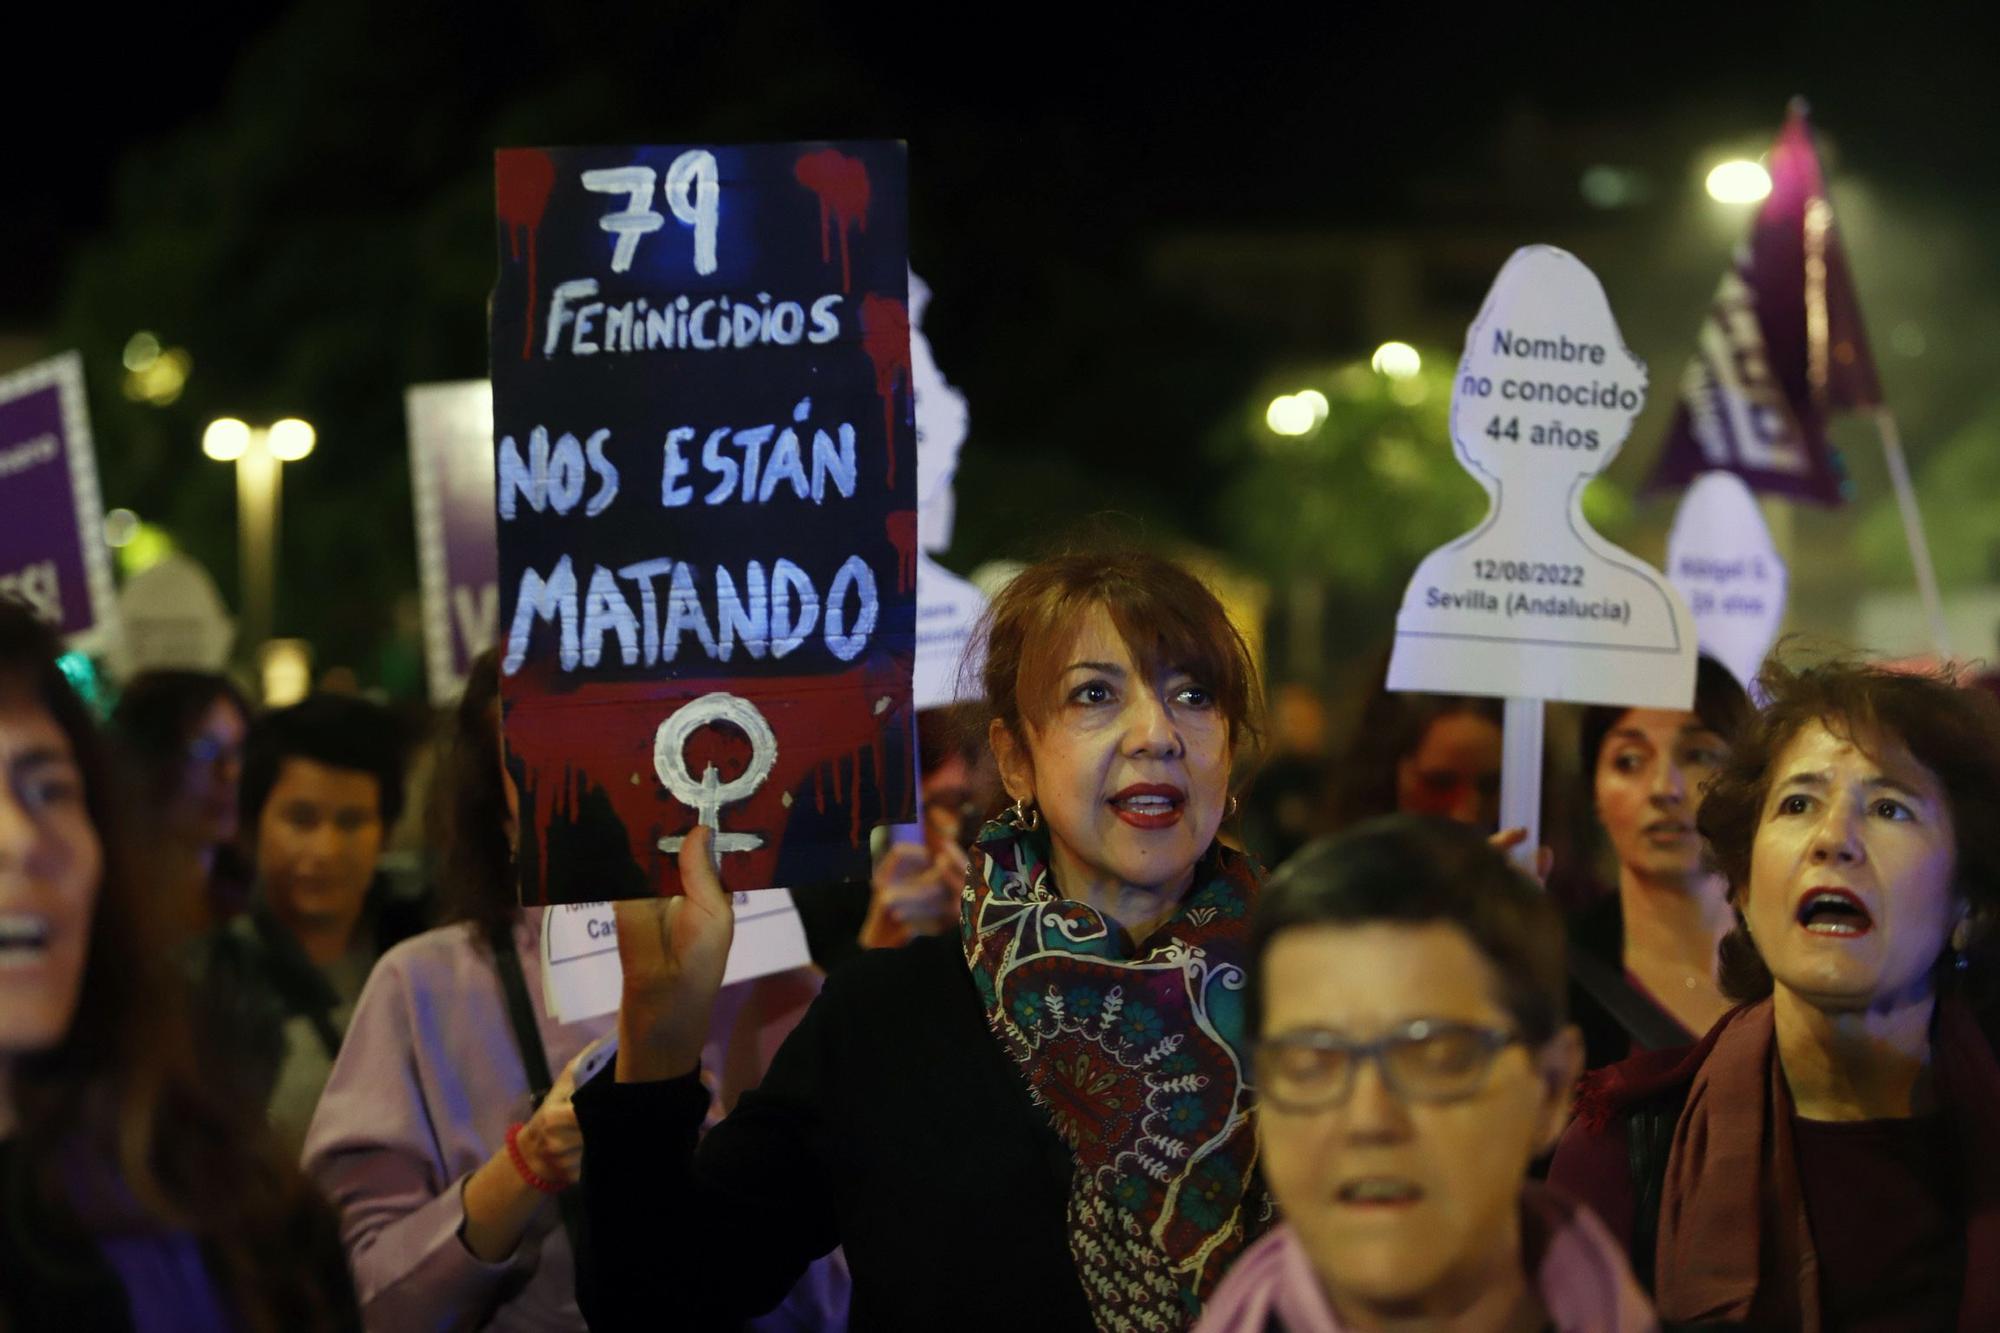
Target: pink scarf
{"type": "Point", "coordinates": [1580, 1275]}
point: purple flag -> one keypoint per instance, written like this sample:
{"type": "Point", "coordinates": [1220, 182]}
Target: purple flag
{"type": "Point", "coordinates": [1782, 348]}
{"type": "Point", "coordinates": [52, 553]}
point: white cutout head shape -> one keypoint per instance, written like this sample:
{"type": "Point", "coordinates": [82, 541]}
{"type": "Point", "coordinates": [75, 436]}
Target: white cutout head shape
{"type": "Point", "coordinates": [1722, 561]}
{"type": "Point", "coordinates": [942, 421]}
{"type": "Point", "coordinates": [1546, 381]}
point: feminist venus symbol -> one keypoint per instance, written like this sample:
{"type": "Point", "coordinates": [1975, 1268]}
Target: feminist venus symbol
{"type": "Point", "coordinates": [709, 794]}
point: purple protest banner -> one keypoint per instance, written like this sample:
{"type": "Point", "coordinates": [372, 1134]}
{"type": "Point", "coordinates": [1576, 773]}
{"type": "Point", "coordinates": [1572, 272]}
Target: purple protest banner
{"type": "Point", "coordinates": [451, 475]}
{"type": "Point", "coordinates": [1782, 348]}
{"type": "Point", "coordinates": [52, 552]}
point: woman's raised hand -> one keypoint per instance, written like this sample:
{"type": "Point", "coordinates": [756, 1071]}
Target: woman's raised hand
{"type": "Point", "coordinates": [674, 951]}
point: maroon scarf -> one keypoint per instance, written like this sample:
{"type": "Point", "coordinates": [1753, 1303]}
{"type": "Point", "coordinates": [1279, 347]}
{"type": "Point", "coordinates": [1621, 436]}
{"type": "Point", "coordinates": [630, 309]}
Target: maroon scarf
{"type": "Point", "coordinates": [1734, 1241]}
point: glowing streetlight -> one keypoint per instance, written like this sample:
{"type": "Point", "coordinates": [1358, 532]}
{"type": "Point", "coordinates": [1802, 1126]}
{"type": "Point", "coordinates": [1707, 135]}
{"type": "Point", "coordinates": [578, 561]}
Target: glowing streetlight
{"type": "Point", "coordinates": [1296, 413]}
{"type": "Point", "coordinates": [1739, 181]}
{"type": "Point", "coordinates": [1399, 361]}
{"type": "Point", "coordinates": [226, 439]}
{"type": "Point", "coordinates": [290, 440]}
{"type": "Point", "coordinates": [260, 456]}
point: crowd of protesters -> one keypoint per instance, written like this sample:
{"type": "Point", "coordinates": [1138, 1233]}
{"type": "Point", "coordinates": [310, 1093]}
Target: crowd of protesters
{"type": "Point", "coordinates": [1069, 1057]}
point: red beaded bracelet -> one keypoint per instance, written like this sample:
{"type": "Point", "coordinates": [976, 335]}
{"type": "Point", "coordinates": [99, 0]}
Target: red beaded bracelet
{"type": "Point", "coordinates": [520, 1161]}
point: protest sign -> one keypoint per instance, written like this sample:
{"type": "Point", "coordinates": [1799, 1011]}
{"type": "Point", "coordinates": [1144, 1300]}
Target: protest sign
{"type": "Point", "coordinates": [582, 977]}
{"type": "Point", "coordinates": [1533, 604]}
{"type": "Point", "coordinates": [451, 481]}
{"type": "Point", "coordinates": [1721, 558]}
{"type": "Point", "coordinates": [705, 490]}
{"type": "Point", "coordinates": [172, 618]}
{"type": "Point", "coordinates": [52, 552]}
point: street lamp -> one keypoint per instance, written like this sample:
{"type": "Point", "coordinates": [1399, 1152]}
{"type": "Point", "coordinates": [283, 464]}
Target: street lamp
{"type": "Point", "coordinates": [260, 454]}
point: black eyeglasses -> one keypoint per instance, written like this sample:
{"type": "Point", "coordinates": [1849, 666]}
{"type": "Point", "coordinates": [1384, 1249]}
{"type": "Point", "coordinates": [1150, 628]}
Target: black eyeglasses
{"type": "Point", "coordinates": [1428, 1060]}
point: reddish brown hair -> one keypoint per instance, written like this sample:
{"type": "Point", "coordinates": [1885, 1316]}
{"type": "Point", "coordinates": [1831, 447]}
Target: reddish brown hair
{"type": "Point", "coordinates": [1953, 732]}
{"type": "Point", "coordinates": [1167, 617]}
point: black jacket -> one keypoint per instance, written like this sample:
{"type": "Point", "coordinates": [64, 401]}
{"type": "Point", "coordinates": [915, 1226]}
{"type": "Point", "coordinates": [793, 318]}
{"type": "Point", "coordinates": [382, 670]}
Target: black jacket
{"type": "Point", "coordinates": [891, 1123]}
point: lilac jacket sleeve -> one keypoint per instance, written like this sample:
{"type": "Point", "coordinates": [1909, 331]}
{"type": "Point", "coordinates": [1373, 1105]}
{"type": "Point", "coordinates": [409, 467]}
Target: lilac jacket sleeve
{"type": "Point", "coordinates": [374, 1149]}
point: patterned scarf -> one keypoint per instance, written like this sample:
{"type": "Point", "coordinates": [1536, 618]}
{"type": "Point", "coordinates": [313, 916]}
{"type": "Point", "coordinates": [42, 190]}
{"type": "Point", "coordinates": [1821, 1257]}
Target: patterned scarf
{"type": "Point", "coordinates": [1137, 1056]}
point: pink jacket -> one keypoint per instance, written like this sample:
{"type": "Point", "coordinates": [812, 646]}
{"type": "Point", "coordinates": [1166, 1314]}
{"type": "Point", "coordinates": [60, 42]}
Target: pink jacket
{"type": "Point", "coordinates": [1582, 1277]}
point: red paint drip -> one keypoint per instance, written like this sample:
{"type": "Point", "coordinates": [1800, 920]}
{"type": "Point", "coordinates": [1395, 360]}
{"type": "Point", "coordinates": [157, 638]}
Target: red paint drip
{"type": "Point", "coordinates": [523, 180]}
{"type": "Point", "coordinates": [588, 737]}
{"type": "Point", "coordinates": [841, 182]}
{"type": "Point", "coordinates": [902, 527]}
{"type": "Point", "coordinates": [885, 336]}
{"type": "Point", "coordinates": [854, 806]}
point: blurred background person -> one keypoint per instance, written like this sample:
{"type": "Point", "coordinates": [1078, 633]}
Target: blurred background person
{"type": "Point", "coordinates": [133, 1194]}
{"type": "Point", "coordinates": [1420, 754]}
{"type": "Point", "coordinates": [1825, 1158]}
{"type": "Point", "coordinates": [182, 733]}
{"type": "Point", "coordinates": [322, 780]}
{"type": "Point", "coordinates": [916, 886]}
{"type": "Point", "coordinates": [1285, 802]}
{"type": "Point", "coordinates": [1412, 1062]}
{"type": "Point", "coordinates": [1643, 960]}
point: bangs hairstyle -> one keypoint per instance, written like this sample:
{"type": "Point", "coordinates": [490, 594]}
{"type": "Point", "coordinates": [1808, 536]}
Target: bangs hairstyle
{"type": "Point", "coordinates": [1952, 731]}
{"type": "Point", "coordinates": [1167, 618]}
{"type": "Point", "coordinates": [1417, 870]}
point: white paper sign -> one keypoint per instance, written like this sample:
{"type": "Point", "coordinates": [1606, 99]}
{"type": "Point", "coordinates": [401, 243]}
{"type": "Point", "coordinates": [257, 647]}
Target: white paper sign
{"type": "Point", "coordinates": [947, 606]}
{"type": "Point", "coordinates": [173, 618]}
{"type": "Point", "coordinates": [1721, 558]}
{"type": "Point", "coordinates": [581, 976]}
{"type": "Point", "coordinates": [1533, 603]}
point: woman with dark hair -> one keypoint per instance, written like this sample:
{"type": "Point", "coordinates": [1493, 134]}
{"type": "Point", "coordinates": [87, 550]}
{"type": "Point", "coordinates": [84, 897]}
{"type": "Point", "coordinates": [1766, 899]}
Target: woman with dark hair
{"type": "Point", "coordinates": [1421, 754]}
{"type": "Point", "coordinates": [132, 1196]}
{"type": "Point", "coordinates": [1643, 961]}
{"type": "Point", "coordinates": [182, 732]}
{"type": "Point", "coordinates": [1045, 1120]}
{"type": "Point", "coordinates": [1412, 1061]}
{"type": "Point", "coordinates": [443, 1135]}
{"type": "Point", "coordinates": [1824, 1157]}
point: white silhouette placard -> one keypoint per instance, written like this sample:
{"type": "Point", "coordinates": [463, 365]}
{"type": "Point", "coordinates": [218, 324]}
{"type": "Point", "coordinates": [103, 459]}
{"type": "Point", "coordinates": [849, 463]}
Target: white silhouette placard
{"type": "Point", "coordinates": [1533, 603]}
{"type": "Point", "coordinates": [948, 607]}
{"type": "Point", "coordinates": [1721, 559]}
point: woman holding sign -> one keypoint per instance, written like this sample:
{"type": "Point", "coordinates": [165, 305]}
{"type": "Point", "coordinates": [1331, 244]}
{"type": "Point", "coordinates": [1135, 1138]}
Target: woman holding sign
{"type": "Point", "coordinates": [1046, 1118]}
{"type": "Point", "coordinates": [1824, 1157]}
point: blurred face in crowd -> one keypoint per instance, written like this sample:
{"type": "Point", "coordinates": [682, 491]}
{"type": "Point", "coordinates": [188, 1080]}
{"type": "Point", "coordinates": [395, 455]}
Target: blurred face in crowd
{"type": "Point", "coordinates": [1454, 772]}
{"type": "Point", "coordinates": [318, 838]}
{"type": "Point", "coordinates": [1650, 773]}
{"type": "Point", "coordinates": [212, 768]}
{"type": "Point", "coordinates": [1130, 768]}
{"type": "Point", "coordinates": [51, 862]}
{"type": "Point", "coordinates": [1404, 1186]}
{"type": "Point", "coordinates": [1851, 896]}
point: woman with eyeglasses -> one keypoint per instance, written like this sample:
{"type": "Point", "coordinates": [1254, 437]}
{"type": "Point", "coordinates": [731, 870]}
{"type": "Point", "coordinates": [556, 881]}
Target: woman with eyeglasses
{"type": "Point", "coordinates": [1824, 1158]}
{"type": "Point", "coordinates": [182, 734]}
{"type": "Point", "coordinates": [1412, 1060]}
{"type": "Point", "coordinates": [1044, 1121]}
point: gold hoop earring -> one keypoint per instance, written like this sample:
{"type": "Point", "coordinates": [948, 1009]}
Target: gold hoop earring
{"type": "Point", "coordinates": [1025, 816]}
{"type": "Point", "coordinates": [1232, 807]}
